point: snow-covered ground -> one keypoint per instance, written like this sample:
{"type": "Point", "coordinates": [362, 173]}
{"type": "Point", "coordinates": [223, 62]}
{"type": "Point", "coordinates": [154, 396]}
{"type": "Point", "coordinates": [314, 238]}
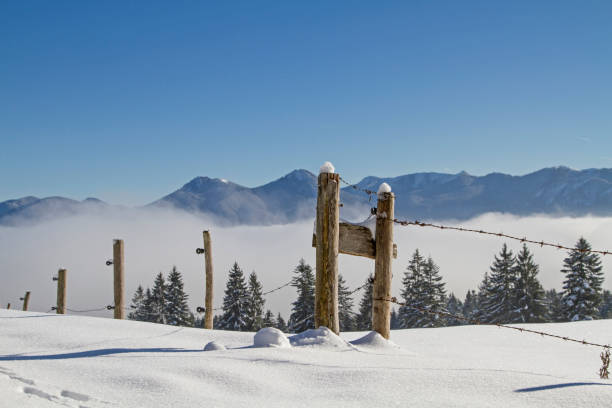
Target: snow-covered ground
{"type": "Point", "coordinates": [49, 360]}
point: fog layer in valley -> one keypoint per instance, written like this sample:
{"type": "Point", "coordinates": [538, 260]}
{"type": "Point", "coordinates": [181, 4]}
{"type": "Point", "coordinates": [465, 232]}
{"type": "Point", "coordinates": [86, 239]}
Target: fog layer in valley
{"type": "Point", "coordinates": [155, 240]}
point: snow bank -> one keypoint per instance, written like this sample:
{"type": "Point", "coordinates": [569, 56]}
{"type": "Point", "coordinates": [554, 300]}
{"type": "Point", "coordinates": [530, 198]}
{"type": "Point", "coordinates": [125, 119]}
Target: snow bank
{"type": "Point", "coordinates": [374, 340]}
{"type": "Point", "coordinates": [270, 337]}
{"type": "Point", "coordinates": [327, 167]}
{"type": "Point", "coordinates": [213, 346]}
{"type": "Point", "coordinates": [320, 338]}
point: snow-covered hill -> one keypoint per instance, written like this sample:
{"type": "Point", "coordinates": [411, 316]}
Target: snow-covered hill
{"type": "Point", "coordinates": [49, 361]}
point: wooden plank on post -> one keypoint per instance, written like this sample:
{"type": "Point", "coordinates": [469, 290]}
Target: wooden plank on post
{"type": "Point", "coordinates": [327, 233]}
{"type": "Point", "coordinates": [381, 309]}
{"type": "Point", "coordinates": [356, 240]}
{"type": "Point", "coordinates": [26, 301]}
{"type": "Point", "coordinates": [208, 299]}
{"type": "Point", "coordinates": [61, 292]}
{"type": "Point", "coordinates": [118, 274]}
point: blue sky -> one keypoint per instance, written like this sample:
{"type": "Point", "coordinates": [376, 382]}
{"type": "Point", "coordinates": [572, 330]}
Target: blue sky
{"type": "Point", "coordinates": [127, 101]}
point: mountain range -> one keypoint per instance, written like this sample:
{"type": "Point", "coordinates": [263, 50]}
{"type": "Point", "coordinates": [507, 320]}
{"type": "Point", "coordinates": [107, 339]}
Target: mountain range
{"type": "Point", "coordinates": [554, 191]}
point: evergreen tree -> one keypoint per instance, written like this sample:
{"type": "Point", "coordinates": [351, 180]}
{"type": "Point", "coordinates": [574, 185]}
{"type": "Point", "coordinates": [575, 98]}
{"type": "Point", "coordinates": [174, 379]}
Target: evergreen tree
{"type": "Point", "coordinates": [364, 318]}
{"type": "Point", "coordinates": [582, 293]}
{"type": "Point", "coordinates": [529, 294]}
{"type": "Point", "coordinates": [555, 306]}
{"type": "Point", "coordinates": [216, 322]}
{"type": "Point", "coordinates": [345, 306]}
{"type": "Point", "coordinates": [235, 302]}
{"type": "Point", "coordinates": [268, 319]}
{"type": "Point", "coordinates": [302, 310]}
{"type": "Point", "coordinates": [411, 290]}
{"type": "Point", "coordinates": [605, 310]}
{"type": "Point", "coordinates": [177, 310]}
{"type": "Point", "coordinates": [395, 320]}
{"type": "Point", "coordinates": [158, 300]}
{"type": "Point", "coordinates": [470, 305]}
{"type": "Point", "coordinates": [255, 304]}
{"type": "Point", "coordinates": [280, 323]}
{"type": "Point", "coordinates": [500, 303]}
{"type": "Point", "coordinates": [455, 307]}
{"type": "Point", "coordinates": [478, 312]}
{"type": "Point", "coordinates": [148, 306]}
{"type": "Point", "coordinates": [138, 305]}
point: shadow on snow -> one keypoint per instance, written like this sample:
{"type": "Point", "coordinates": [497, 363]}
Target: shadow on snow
{"type": "Point", "coordinates": [95, 353]}
{"type": "Point", "coordinates": [555, 386]}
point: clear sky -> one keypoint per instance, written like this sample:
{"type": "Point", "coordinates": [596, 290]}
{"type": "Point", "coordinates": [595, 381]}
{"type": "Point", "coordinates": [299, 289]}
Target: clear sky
{"type": "Point", "coordinates": [128, 100]}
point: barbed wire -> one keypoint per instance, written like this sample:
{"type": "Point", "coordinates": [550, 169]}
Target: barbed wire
{"type": "Point", "coordinates": [479, 322]}
{"type": "Point", "coordinates": [499, 234]}
{"type": "Point", "coordinates": [356, 187]}
{"type": "Point", "coordinates": [89, 310]}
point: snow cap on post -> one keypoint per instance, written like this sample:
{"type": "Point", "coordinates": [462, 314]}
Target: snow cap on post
{"type": "Point", "coordinates": [384, 188]}
{"type": "Point", "coordinates": [327, 167]}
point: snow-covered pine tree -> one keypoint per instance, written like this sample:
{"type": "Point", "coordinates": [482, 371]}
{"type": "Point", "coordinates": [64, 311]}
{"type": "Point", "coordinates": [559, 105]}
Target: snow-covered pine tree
{"type": "Point", "coordinates": [147, 306]}
{"type": "Point", "coordinates": [582, 285]}
{"type": "Point", "coordinates": [431, 295]}
{"type": "Point", "coordinates": [530, 296]}
{"type": "Point", "coordinates": [470, 305]}
{"type": "Point", "coordinates": [158, 300]}
{"type": "Point", "coordinates": [345, 306]}
{"type": "Point", "coordinates": [138, 305]}
{"type": "Point", "coordinates": [455, 307]}
{"type": "Point", "coordinates": [280, 323]}
{"type": "Point", "coordinates": [411, 290]}
{"type": "Point", "coordinates": [302, 310]}
{"type": "Point", "coordinates": [395, 320]}
{"type": "Point", "coordinates": [255, 303]}
{"type": "Point", "coordinates": [235, 302]}
{"type": "Point", "coordinates": [605, 310]}
{"type": "Point", "coordinates": [268, 319]}
{"type": "Point", "coordinates": [499, 305]}
{"type": "Point", "coordinates": [554, 305]}
{"type": "Point", "coordinates": [364, 318]}
{"type": "Point", "coordinates": [177, 309]}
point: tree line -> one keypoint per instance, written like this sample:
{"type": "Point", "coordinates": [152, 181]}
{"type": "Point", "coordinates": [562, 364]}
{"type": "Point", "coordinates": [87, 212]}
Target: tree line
{"type": "Point", "coordinates": [510, 292]}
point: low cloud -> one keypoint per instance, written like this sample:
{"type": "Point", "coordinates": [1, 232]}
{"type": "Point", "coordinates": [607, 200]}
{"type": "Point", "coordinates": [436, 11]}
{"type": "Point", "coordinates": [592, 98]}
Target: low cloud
{"type": "Point", "coordinates": [155, 240]}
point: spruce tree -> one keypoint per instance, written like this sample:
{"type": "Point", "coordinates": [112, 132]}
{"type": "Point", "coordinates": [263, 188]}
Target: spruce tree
{"type": "Point", "coordinates": [255, 304]}
{"type": "Point", "coordinates": [138, 305]}
{"type": "Point", "coordinates": [268, 319]}
{"type": "Point", "coordinates": [158, 300]}
{"type": "Point", "coordinates": [454, 307]}
{"type": "Point", "coordinates": [529, 294]}
{"type": "Point", "coordinates": [554, 306]}
{"type": "Point", "coordinates": [148, 306]}
{"type": "Point", "coordinates": [364, 318]}
{"type": "Point", "coordinates": [395, 320]}
{"type": "Point", "coordinates": [500, 303]}
{"type": "Point", "coordinates": [235, 302]}
{"type": "Point", "coordinates": [432, 296]}
{"type": "Point", "coordinates": [177, 309]}
{"type": "Point", "coordinates": [345, 306]}
{"type": "Point", "coordinates": [470, 304]}
{"type": "Point", "coordinates": [605, 310]}
{"type": "Point", "coordinates": [302, 310]}
{"type": "Point", "coordinates": [582, 293]}
{"type": "Point", "coordinates": [411, 290]}
{"type": "Point", "coordinates": [280, 323]}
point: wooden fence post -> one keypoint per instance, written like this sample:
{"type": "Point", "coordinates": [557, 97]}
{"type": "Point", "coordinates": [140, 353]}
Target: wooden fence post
{"type": "Point", "coordinates": [208, 299]}
{"type": "Point", "coordinates": [61, 291]}
{"type": "Point", "coordinates": [26, 301]}
{"type": "Point", "coordinates": [327, 236]}
{"type": "Point", "coordinates": [119, 284]}
{"type": "Point", "coordinates": [8, 306]}
{"type": "Point", "coordinates": [381, 309]}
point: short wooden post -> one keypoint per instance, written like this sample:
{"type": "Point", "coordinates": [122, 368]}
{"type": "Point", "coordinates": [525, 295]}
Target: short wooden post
{"type": "Point", "coordinates": [208, 299]}
{"type": "Point", "coordinates": [119, 284]}
{"type": "Point", "coordinates": [327, 243]}
{"type": "Point", "coordinates": [381, 309]}
{"type": "Point", "coordinates": [8, 306]}
{"type": "Point", "coordinates": [26, 301]}
{"type": "Point", "coordinates": [61, 291]}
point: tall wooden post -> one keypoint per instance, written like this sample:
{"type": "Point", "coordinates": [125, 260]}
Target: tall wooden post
{"type": "Point", "coordinates": [26, 301]}
{"type": "Point", "coordinates": [381, 309]}
{"type": "Point", "coordinates": [61, 291]}
{"type": "Point", "coordinates": [208, 299]}
{"type": "Point", "coordinates": [327, 243]}
{"type": "Point", "coordinates": [118, 278]}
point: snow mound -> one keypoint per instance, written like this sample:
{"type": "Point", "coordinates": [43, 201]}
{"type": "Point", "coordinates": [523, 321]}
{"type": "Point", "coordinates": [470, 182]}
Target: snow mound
{"type": "Point", "coordinates": [321, 337]}
{"type": "Point", "coordinates": [271, 337]}
{"type": "Point", "coordinates": [384, 188]}
{"type": "Point", "coordinates": [213, 345]}
{"type": "Point", "coordinates": [327, 167]}
{"type": "Point", "coordinates": [374, 340]}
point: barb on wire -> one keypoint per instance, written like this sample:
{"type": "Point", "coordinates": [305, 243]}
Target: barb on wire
{"type": "Point", "coordinates": [356, 187]}
{"type": "Point", "coordinates": [498, 234]}
{"type": "Point", "coordinates": [479, 322]}
{"type": "Point", "coordinates": [216, 309]}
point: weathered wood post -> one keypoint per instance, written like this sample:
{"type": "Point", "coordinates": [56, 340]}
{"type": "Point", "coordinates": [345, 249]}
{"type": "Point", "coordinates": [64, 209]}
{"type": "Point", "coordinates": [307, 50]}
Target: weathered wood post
{"type": "Point", "coordinates": [208, 298]}
{"type": "Point", "coordinates": [327, 243]}
{"type": "Point", "coordinates": [119, 284]}
{"type": "Point", "coordinates": [26, 301]}
{"type": "Point", "coordinates": [381, 309]}
{"type": "Point", "coordinates": [8, 306]}
{"type": "Point", "coordinates": [61, 291]}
